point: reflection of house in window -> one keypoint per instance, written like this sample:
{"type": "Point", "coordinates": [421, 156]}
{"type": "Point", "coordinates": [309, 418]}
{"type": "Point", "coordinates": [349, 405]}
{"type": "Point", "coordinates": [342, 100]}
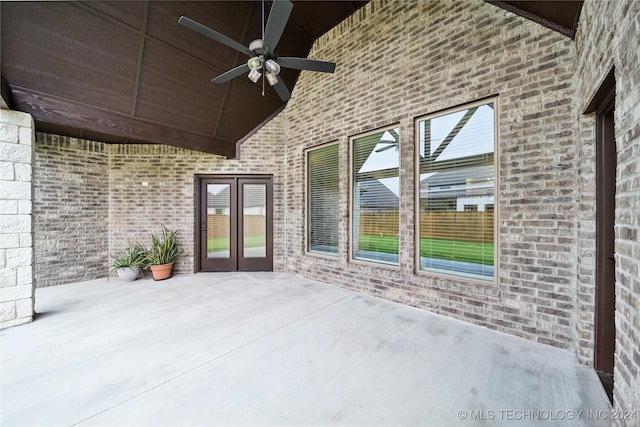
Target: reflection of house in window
{"type": "Point", "coordinates": [457, 189]}
{"type": "Point", "coordinates": [375, 197]}
{"type": "Point", "coordinates": [254, 200]}
{"type": "Point", "coordinates": [218, 199]}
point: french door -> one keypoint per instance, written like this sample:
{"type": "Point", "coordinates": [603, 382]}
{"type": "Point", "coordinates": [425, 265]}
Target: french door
{"type": "Point", "coordinates": [235, 223]}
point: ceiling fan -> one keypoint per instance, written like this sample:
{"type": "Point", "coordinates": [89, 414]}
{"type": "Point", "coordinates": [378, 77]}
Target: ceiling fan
{"type": "Point", "coordinates": [263, 59]}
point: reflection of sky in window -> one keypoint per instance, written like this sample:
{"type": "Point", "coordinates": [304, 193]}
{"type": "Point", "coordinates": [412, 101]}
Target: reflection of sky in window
{"type": "Point", "coordinates": [476, 137]}
{"type": "Point", "coordinates": [386, 158]}
{"type": "Point", "coordinates": [393, 184]}
{"type": "Point", "coordinates": [381, 160]}
{"type": "Point", "coordinates": [216, 189]}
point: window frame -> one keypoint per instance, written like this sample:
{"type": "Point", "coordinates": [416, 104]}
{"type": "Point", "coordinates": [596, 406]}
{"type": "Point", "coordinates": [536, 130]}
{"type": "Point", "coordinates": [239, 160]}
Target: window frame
{"type": "Point", "coordinates": [351, 178]}
{"type": "Point", "coordinates": [307, 218]}
{"type": "Point", "coordinates": [495, 100]}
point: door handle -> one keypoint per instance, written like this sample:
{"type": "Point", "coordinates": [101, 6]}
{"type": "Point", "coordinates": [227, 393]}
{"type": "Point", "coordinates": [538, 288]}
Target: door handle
{"type": "Point", "coordinates": [612, 260]}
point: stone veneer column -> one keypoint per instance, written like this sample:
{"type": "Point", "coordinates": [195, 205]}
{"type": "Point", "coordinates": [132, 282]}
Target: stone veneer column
{"type": "Point", "coordinates": [17, 297]}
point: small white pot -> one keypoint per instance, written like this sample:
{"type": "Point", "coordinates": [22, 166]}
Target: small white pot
{"type": "Point", "coordinates": [128, 274]}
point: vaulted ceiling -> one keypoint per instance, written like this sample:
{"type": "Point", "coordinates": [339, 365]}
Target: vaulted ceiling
{"type": "Point", "coordinates": [127, 72]}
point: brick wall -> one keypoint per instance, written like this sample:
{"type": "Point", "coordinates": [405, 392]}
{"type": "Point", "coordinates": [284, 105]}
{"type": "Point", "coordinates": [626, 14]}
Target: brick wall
{"type": "Point", "coordinates": [71, 209]}
{"type": "Point", "coordinates": [17, 297]}
{"type": "Point", "coordinates": [400, 60]}
{"type": "Point", "coordinates": [609, 36]}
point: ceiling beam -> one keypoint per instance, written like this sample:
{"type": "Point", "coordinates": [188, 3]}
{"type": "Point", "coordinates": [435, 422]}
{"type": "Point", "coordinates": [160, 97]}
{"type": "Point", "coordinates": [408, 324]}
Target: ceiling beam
{"type": "Point", "coordinates": [63, 112]}
{"type": "Point", "coordinates": [511, 6]}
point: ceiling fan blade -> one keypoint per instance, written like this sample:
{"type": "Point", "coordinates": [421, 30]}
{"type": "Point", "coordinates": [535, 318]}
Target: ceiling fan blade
{"type": "Point", "coordinates": [214, 35]}
{"type": "Point", "coordinates": [306, 64]}
{"type": "Point", "coordinates": [278, 17]}
{"type": "Point", "coordinates": [282, 91]}
{"type": "Point", "coordinates": [231, 74]}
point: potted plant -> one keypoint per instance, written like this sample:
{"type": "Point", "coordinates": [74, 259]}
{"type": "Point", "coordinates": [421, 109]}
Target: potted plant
{"type": "Point", "coordinates": [130, 262]}
{"type": "Point", "coordinates": [163, 254]}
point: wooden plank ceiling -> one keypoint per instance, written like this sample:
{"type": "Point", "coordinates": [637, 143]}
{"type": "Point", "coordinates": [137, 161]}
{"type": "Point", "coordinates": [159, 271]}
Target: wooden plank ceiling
{"type": "Point", "coordinates": [127, 72]}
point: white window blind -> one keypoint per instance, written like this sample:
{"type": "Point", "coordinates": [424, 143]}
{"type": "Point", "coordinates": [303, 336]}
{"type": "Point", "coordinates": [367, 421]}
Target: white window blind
{"type": "Point", "coordinates": [323, 200]}
{"type": "Point", "coordinates": [457, 188]}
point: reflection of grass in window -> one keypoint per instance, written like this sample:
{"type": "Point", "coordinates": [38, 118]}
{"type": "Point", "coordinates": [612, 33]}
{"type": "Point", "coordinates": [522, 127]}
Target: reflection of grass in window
{"type": "Point", "coordinates": [384, 244]}
{"type": "Point", "coordinates": [254, 241]}
{"type": "Point", "coordinates": [218, 244]}
{"type": "Point", "coordinates": [454, 250]}
{"type": "Point", "coordinates": [457, 250]}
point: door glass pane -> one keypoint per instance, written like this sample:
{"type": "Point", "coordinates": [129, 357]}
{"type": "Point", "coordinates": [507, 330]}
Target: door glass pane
{"type": "Point", "coordinates": [254, 220]}
{"type": "Point", "coordinates": [218, 220]}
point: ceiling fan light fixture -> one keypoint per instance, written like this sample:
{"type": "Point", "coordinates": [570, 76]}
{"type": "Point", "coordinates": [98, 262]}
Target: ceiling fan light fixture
{"type": "Point", "coordinates": [271, 78]}
{"type": "Point", "coordinates": [272, 67]}
{"type": "Point", "coordinates": [254, 75]}
{"type": "Point", "coordinates": [254, 63]}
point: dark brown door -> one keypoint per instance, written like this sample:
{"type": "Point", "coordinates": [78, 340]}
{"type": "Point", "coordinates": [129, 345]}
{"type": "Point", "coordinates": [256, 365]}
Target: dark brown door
{"type": "Point", "coordinates": [236, 223]}
{"type": "Point", "coordinates": [606, 163]}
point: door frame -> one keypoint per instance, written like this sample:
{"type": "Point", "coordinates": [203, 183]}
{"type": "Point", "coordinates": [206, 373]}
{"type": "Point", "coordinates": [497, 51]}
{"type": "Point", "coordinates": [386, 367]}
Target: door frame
{"type": "Point", "coordinates": [604, 334]}
{"type": "Point", "coordinates": [237, 220]}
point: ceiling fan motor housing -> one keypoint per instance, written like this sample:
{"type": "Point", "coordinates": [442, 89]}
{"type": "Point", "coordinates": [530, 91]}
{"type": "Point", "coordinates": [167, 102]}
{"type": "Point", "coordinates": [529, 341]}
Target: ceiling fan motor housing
{"type": "Point", "coordinates": [257, 46]}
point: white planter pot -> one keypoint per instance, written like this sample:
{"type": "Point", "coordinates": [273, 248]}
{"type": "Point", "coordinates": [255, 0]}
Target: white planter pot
{"type": "Point", "coordinates": [128, 274]}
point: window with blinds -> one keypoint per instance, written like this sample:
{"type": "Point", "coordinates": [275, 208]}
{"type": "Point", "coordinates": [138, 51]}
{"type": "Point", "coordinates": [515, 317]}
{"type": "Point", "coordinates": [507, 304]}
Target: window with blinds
{"type": "Point", "coordinates": [456, 191]}
{"type": "Point", "coordinates": [323, 199]}
{"type": "Point", "coordinates": [375, 196]}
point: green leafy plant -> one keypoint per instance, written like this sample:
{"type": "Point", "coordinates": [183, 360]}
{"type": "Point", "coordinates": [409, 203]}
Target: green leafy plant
{"type": "Point", "coordinates": [163, 248]}
{"type": "Point", "coordinates": [135, 255]}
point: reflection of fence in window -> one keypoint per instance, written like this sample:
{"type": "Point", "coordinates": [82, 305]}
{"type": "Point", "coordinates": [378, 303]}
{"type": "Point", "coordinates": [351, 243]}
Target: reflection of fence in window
{"type": "Point", "coordinates": [463, 226]}
{"type": "Point", "coordinates": [447, 225]}
{"type": "Point", "coordinates": [379, 224]}
{"type": "Point", "coordinates": [218, 225]}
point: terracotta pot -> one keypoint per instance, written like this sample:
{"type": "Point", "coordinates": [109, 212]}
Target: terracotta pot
{"type": "Point", "coordinates": [128, 274]}
{"type": "Point", "coordinates": [161, 272]}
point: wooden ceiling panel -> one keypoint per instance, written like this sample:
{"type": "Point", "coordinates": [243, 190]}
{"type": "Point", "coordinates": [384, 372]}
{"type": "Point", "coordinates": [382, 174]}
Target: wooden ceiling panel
{"type": "Point", "coordinates": [81, 120]}
{"type": "Point", "coordinates": [130, 13]}
{"type": "Point", "coordinates": [228, 18]}
{"type": "Point", "coordinates": [236, 112]}
{"type": "Point", "coordinates": [177, 90]}
{"type": "Point", "coordinates": [70, 53]}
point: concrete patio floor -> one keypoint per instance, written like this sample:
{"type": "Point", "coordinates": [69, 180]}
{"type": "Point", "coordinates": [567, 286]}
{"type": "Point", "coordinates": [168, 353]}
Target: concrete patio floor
{"type": "Point", "coordinates": [274, 349]}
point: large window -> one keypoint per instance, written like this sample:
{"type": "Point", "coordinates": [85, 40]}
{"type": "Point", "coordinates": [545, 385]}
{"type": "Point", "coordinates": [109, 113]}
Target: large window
{"type": "Point", "coordinates": [322, 200]}
{"type": "Point", "coordinates": [375, 196]}
{"type": "Point", "coordinates": [456, 186]}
